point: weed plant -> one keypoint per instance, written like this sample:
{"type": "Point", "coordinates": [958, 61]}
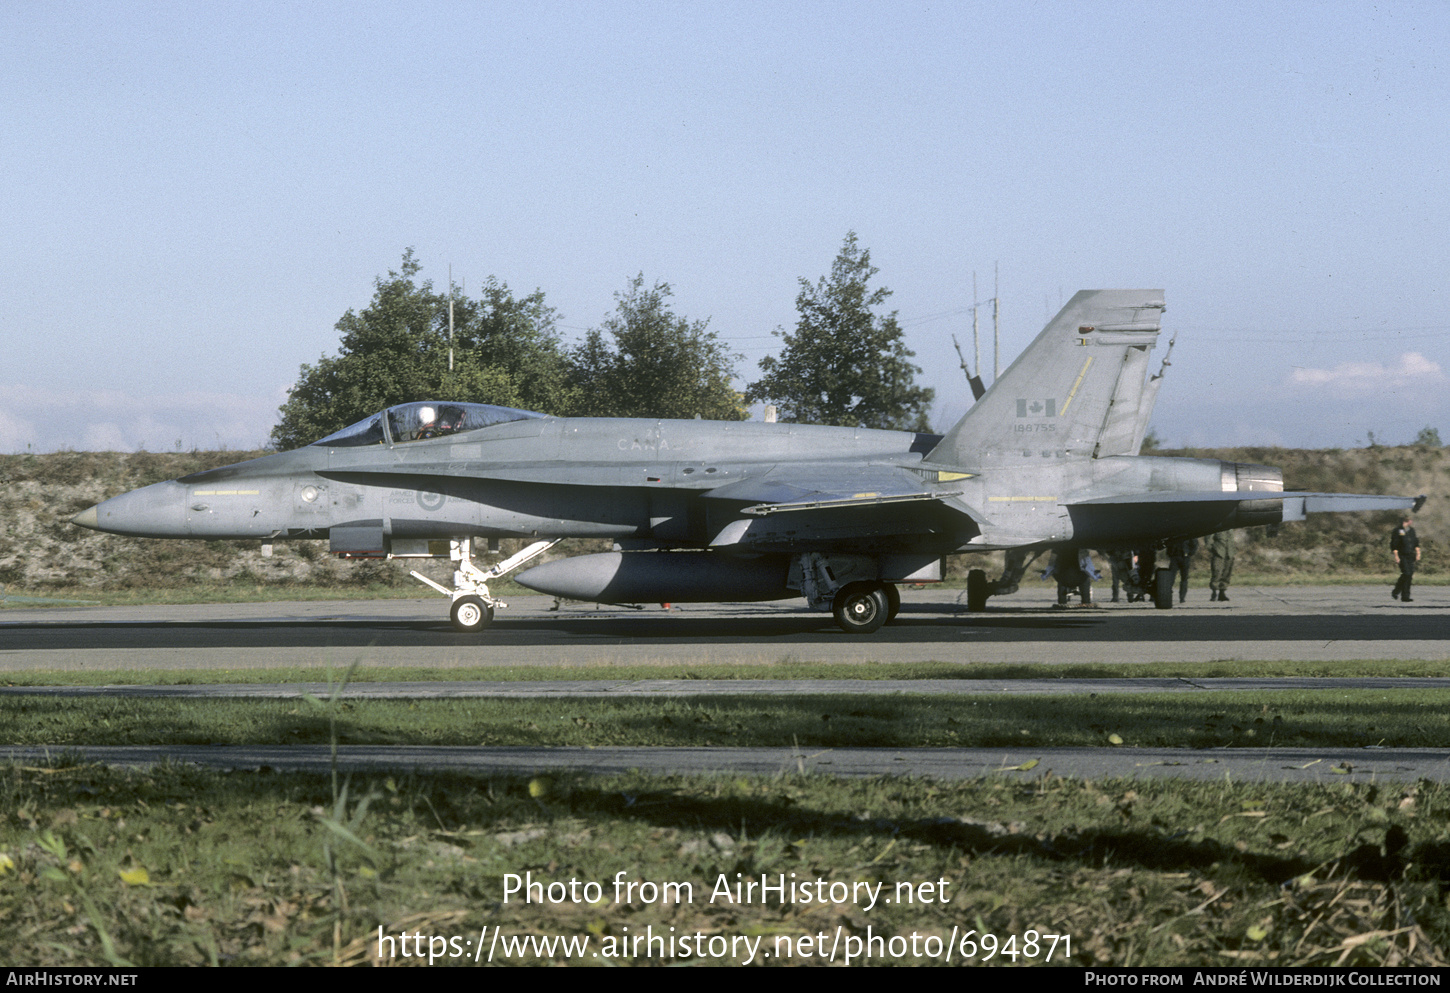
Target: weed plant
{"type": "Point", "coordinates": [179, 866]}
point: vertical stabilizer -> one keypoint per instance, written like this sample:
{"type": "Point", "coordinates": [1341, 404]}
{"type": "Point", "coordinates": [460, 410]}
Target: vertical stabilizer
{"type": "Point", "coordinates": [1150, 397]}
{"type": "Point", "coordinates": [1056, 401]}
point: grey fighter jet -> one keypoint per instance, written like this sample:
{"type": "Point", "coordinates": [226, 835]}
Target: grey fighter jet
{"type": "Point", "coordinates": [707, 511]}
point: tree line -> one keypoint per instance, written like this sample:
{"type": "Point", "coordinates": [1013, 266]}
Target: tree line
{"type": "Point", "coordinates": [845, 363]}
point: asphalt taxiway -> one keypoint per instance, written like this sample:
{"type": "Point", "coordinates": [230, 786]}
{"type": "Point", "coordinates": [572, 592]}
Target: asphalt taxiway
{"type": "Point", "coordinates": [1259, 623]}
{"type": "Point", "coordinates": [1237, 765]}
{"type": "Point", "coordinates": [1282, 623]}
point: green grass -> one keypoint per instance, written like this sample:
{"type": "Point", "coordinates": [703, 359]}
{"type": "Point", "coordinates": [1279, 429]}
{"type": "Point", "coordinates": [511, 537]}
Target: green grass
{"type": "Point", "coordinates": [787, 668]}
{"type": "Point", "coordinates": [177, 867]}
{"type": "Point", "coordinates": [1317, 718]}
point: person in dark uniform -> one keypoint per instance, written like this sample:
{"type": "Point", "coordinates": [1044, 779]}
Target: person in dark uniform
{"type": "Point", "coordinates": [1145, 572]}
{"type": "Point", "coordinates": [1405, 546]}
{"type": "Point", "coordinates": [1074, 571]}
{"type": "Point", "coordinates": [1121, 564]}
{"type": "Point", "coordinates": [1180, 553]}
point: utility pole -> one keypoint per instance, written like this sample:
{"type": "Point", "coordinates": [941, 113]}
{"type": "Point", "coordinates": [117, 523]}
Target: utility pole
{"type": "Point", "coordinates": [996, 324]}
{"type": "Point", "coordinates": [975, 382]}
{"type": "Point", "coordinates": [450, 317]}
{"type": "Point", "coordinates": [976, 341]}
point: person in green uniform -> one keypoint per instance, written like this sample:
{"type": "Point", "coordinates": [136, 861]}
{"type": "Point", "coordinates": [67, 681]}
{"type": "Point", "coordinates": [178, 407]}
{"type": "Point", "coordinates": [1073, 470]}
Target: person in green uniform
{"type": "Point", "coordinates": [1220, 564]}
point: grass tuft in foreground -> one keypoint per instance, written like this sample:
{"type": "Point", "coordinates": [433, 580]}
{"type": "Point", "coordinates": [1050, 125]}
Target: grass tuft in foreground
{"type": "Point", "coordinates": [179, 866]}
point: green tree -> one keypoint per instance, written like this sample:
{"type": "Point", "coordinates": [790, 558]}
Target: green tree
{"type": "Point", "coordinates": [1428, 438]}
{"type": "Point", "coordinates": [646, 361]}
{"type": "Point", "coordinates": [845, 364]}
{"type": "Point", "coordinates": [395, 350]}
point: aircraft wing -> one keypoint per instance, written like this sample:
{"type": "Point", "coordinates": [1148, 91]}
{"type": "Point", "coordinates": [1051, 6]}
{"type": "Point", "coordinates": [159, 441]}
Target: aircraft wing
{"type": "Point", "coordinates": [815, 487]}
{"type": "Point", "coordinates": [828, 503]}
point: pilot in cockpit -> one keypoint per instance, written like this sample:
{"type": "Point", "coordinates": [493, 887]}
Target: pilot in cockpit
{"type": "Point", "coordinates": [428, 426]}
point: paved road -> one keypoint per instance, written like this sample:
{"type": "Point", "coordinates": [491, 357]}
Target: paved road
{"type": "Point", "coordinates": [1239, 765]}
{"type": "Point", "coordinates": [1300, 623]}
{"type": "Point", "coordinates": [678, 688]}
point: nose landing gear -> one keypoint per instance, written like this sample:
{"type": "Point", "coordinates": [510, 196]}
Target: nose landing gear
{"type": "Point", "coordinates": [473, 606]}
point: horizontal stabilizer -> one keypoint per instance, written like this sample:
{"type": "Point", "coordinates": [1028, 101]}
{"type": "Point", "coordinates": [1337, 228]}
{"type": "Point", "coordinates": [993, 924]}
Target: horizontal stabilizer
{"type": "Point", "coordinates": [1296, 505]}
{"type": "Point", "coordinates": [1313, 503]}
{"type": "Point", "coordinates": [1120, 519]}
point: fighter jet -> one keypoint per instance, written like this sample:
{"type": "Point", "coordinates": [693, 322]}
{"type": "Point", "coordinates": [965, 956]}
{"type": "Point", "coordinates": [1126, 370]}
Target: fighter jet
{"type": "Point", "coordinates": [737, 511]}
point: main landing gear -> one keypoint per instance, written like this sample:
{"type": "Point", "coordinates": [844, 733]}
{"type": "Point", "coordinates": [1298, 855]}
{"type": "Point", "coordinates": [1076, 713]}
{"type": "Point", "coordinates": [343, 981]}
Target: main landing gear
{"type": "Point", "coordinates": [1163, 589]}
{"type": "Point", "coordinates": [862, 607]}
{"type": "Point", "coordinates": [472, 608]}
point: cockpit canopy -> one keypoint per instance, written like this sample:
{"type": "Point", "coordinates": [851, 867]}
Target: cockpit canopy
{"type": "Point", "coordinates": [421, 421]}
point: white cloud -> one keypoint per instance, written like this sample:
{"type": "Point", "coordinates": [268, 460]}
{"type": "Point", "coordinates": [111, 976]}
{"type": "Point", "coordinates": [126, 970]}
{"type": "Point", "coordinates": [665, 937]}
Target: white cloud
{"type": "Point", "coordinates": [1413, 372]}
{"type": "Point", "coordinates": [15, 432]}
{"type": "Point", "coordinates": [113, 420]}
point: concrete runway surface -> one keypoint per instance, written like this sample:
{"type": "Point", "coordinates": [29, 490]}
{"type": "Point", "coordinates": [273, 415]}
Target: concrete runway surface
{"type": "Point", "coordinates": [1291, 623]}
{"type": "Point", "coordinates": [1296, 623]}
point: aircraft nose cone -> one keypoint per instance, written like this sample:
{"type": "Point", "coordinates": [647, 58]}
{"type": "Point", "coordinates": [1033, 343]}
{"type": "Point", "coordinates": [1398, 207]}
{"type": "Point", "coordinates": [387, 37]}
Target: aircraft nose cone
{"type": "Point", "coordinates": [155, 511]}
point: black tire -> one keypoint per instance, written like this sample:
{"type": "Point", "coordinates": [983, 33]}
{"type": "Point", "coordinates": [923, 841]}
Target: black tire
{"type": "Point", "coordinates": [470, 614]}
{"type": "Point", "coordinates": [976, 591]}
{"type": "Point", "coordinates": [861, 608]}
{"type": "Point", "coordinates": [893, 601]}
{"type": "Point", "coordinates": [1163, 589]}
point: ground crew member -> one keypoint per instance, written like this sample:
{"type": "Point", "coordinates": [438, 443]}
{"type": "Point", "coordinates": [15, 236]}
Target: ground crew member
{"type": "Point", "coordinates": [1180, 554]}
{"type": "Point", "coordinates": [1074, 571]}
{"type": "Point", "coordinates": [1121, 565]}
{"type": "Point", "coordinates": [1405, 546]}
{"type": "Point", "coordinates": [1220, 564]}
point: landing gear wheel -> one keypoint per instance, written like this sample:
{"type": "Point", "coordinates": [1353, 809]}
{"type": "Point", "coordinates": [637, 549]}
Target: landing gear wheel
{"type": "Point", "coordinates": [893, 601]}
{"type": "Point", "coordinates": [861, 608]}
{"type": "Point", "coordinates": [976, 591]}
{"type": "Point", "coordinates": [1163, 589]}
{"type": "Point", "coordinates": [471, 614]}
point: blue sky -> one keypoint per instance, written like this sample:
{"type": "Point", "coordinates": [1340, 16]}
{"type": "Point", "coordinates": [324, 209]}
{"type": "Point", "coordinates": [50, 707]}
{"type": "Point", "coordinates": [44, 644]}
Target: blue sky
{"type": "Point", "coordinates": [195, 193]}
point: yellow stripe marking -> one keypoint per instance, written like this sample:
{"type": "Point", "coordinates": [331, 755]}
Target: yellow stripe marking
{"type": "Point", "coordinates": [1073, 392]}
